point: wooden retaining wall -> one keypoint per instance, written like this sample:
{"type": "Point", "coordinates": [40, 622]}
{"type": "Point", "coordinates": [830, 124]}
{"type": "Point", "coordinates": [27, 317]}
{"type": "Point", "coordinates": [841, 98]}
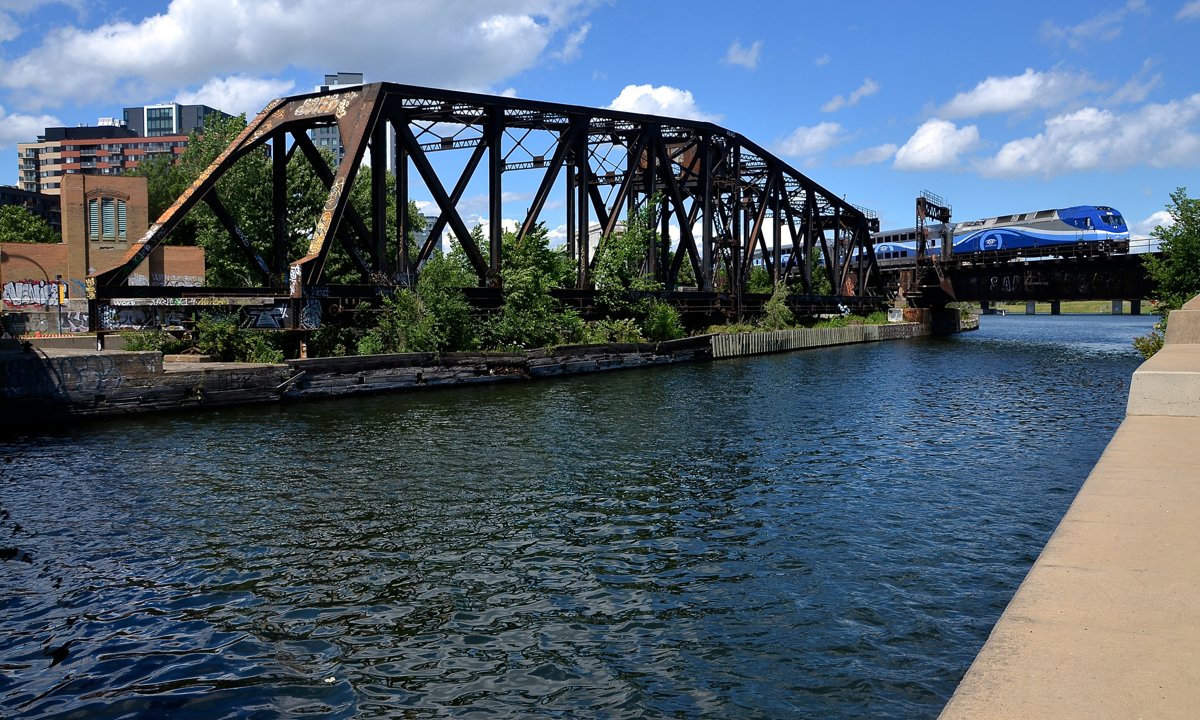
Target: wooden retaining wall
{"type": "Point", "coordinates": [50, 386]}
{"type": "Point", "coordinates": [762, 343]}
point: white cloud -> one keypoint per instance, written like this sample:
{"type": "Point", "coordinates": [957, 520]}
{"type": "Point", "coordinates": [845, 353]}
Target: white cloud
{"type": "Point", "coordinates": [746, 57]}
{"type": "Point", "coordinates": [936, 145]}
{"type": "Point", "coordinates": [666, 101]}
{"type": "Point", "coordinates": [870, 156]}
{"type": "Point", "coordinates": [8, 28]}
{"type": "Point", "coordinates": [1105, 26]}
{"type": "Point", "coordinates": [868, 88]}
{"type": "Point", "coordinates": [1135, 91]}
{"type": "Point", "coordinates": [458, 44]}
{"type": "Point", "coordinates": [574, 41]}
{"type": "Point", "coordinates": [824, 59]}
{"type": "Point", "coordinates": [1143, 228]}
{"type": "Point", "coordinates": [17, 128]}
{"type": "Point", "coordinates": [1191, 11]}
{"type": "Point", "coordinates": [1018, 92]}
{"type": "Point", "coordinates": [1093, 139]}
{"type": "Point", "coordinates": [237, 94]}
{"type": "Point", "coordinates": [806, 141]}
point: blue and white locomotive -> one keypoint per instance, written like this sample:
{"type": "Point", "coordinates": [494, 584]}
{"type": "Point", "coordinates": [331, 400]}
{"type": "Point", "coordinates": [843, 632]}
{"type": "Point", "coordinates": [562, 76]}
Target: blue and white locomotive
{"type": "Point", "coordinates": [1083, 229]}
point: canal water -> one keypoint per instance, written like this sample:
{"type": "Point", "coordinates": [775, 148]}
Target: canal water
{"type": "Point", "coordinates": [827, 533]}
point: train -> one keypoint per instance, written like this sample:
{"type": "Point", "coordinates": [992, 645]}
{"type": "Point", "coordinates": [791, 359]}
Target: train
{"type": "Point", "coordinates": [1078, 230]}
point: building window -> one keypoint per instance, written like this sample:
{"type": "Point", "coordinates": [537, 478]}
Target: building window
{"type": "Point", "coordinates": [106, 219]}
{"type": "Point", "coordinates": [160, 121]}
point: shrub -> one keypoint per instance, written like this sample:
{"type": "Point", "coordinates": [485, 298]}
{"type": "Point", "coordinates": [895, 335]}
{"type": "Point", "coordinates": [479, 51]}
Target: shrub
{"type": "Point", "coordinates": [1151, 342]}
{"type": "Point", "coordinates": [759, 281]}
{"type": "Point", "coordinates": [223, 337]}
{"type": "Point", "coordinates": [156, 340]}
{"type": "Point", "coordinates": [613, 331]}
{"type": "Point", "coordinates": [404, 325]}
{"type": "Point", "coordinates": [777, 315]}
{"type": "Point", "coordinates": [662, 323]}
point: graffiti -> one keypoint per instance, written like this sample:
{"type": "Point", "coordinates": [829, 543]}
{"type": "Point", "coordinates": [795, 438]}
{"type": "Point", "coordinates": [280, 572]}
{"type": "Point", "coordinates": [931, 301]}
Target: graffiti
{"type": "Point", "coordinates": [275, 318]}
{"type": "Point", "coordinates": [75, 322]}
{"type": "Point", "coordinates": [335, 193]}
{"type": "Point", "coordinates": [26, 376]}
{"type": "Point", "coordinates": [23, 293]}
{"type": "Point", "coordinates": [336, 104]}
{"type": "Point", "coordinates": [138, 281]}
{"type": "Point", "coordinates": [162, 280]}
{"type": "Point", "coordinates": [310, 319]}
{"type": "Point", "coordinates": [127, 318]}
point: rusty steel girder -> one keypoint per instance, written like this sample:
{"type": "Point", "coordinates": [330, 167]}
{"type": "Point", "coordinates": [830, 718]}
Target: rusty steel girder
{"type": "Point", "coordinates": [727, 195]}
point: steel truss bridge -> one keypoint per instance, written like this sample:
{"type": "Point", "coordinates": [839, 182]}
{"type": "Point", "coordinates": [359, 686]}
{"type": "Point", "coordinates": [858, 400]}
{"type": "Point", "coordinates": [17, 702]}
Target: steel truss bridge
{"type": "Point", "coordinates": [727, 196]}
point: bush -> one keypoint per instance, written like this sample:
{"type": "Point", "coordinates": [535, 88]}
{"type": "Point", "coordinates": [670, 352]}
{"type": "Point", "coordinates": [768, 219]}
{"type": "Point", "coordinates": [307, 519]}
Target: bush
{"type": "Point", "coordinates": [613, 331]}
{"type": "Point", "coordinates": [777, 315]}
{"type": "Point", "coordinates": [662, 323]}
{"type": "Point", "coordinates": [152, 341]}
{"type": "Point", "coordinates": [404, 325]}
{"type": "Point", "coordinates": [1152, 342]}
{"type": "Point", "coordinates": [759, 281]}
{"type": "Point", "coordinates": [222, 337]}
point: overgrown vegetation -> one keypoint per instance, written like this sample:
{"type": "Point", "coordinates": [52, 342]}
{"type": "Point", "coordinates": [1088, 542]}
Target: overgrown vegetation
{"type": "Point", "coordinates": [1176, 274]}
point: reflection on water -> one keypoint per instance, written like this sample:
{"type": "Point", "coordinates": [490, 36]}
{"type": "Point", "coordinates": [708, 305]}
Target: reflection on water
{"type": "Point", "coordinates": [829, 533]}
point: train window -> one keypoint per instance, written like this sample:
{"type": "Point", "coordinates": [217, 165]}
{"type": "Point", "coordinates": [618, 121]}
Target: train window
{"type": "Point", "coordinates": [1044, 214]}
{"type": "Point", "coordinates": [903, 253]}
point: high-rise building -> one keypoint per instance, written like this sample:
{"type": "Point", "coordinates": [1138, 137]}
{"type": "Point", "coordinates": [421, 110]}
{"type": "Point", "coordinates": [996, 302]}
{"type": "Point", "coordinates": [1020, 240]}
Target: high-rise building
{"type": "Point", "coordinates": [167, 119]}
{"type": "Point", "coordinates": [103, 150]}
{"type": "Point", "coordinates": [41, 205]}
{"type": "Point", "coordinates": [109, 148]}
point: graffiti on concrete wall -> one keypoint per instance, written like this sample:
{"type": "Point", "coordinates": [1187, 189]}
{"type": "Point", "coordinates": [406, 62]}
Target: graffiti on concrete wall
{"type": "Point", "coordinates": [26, 376]}
{"type": "Point", "coordinates": [275, 318]}
{"type": "Point", "coordinates": [27, 293]}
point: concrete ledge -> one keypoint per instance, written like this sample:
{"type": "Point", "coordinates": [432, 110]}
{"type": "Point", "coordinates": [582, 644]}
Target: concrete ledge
{"type": "Point", "coordinates": [1168, 383]}
{"type": "Point", "coordinates": [1107, 623]}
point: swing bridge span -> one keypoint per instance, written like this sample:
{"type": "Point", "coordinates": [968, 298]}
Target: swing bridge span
{"type": "Point", "coordinates": [725, 198]}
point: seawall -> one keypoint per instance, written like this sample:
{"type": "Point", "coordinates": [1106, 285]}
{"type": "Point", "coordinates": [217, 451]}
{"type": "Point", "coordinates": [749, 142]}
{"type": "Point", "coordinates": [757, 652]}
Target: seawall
{"type": "Point", "coordinates": [49, 386]}
{"type": "Point", "coordinates": [1107, 622]}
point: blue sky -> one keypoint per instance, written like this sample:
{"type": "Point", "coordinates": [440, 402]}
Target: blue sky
{"type": "Point", "coordinates": [1000, 108]}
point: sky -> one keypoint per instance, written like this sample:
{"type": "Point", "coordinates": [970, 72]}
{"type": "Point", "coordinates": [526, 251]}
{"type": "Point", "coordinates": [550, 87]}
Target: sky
{"type": "Point", "coordinates": [999, 107]}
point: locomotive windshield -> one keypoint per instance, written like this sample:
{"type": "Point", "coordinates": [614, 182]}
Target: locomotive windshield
{"type": "Point", "coordinates": [1113, 219]}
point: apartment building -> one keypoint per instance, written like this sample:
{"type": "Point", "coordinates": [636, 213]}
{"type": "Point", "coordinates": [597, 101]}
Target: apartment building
{"type": "Point", "coordinates": [110, 148]}
{"type": "Point", "coordinates": [104, 150]}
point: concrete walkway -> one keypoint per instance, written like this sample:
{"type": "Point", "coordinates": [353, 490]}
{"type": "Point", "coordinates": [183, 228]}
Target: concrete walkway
{"type": "Point", "coordinates": [1107, 623]}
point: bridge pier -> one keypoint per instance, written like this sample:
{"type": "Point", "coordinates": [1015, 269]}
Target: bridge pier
{"type": "Point", "coordinates": [1135, 307]}
{"type": "Point", "coordinates": [1055, 307]}
{"type": "Point", "coordinates": [1118, 307]}
{"type": "Point", "coordinates": [1031, 308]}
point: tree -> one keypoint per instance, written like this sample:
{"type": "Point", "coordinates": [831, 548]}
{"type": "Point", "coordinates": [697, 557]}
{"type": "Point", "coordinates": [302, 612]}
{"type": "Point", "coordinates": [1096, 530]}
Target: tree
{"type": "Point", "coordinates": [245, 191]}
{"type": "Point", "coordinates": [17, 224]}
{"type": "Point", "coordinates": [1176, 275]}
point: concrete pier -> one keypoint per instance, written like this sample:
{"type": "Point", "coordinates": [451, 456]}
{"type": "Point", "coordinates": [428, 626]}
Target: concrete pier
{"type": "Point", "coordinates": [1118, 307]}
{"type": "Point", "coordinates": [1107, 622]}
{"type": "Point", "coordinates": [1031, 308]}
{"type": "Point", "coordinates": [1055, 307]}
{"type": "Point", "coordinates": [1135, 307]}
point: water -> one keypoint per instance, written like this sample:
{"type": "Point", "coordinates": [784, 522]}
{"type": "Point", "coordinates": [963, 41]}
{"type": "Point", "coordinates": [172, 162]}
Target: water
{"type": "Point", "coordinates": [829, 533]}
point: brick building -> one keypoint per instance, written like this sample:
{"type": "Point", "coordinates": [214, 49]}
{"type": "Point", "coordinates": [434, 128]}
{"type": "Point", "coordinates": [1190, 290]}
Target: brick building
{"type": "Point", "coordinates": [101, 217]}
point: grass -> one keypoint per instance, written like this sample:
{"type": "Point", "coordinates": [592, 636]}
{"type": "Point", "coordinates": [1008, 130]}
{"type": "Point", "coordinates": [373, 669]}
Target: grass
{"type": "Point", "coordinates": [1095, 307]}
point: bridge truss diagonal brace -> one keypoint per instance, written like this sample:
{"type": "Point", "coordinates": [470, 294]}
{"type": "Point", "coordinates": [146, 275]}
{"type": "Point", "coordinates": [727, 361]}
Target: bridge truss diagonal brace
{"type": "Point", "coordinates": [446, 207]}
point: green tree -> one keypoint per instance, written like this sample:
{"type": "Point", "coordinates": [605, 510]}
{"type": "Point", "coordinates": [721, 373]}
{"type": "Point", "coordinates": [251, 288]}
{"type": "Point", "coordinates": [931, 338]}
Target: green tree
{"type": "Point", "coordinates": [245, 191]}
{"type": "Point", "coordinates": [776, 314]}
{"type": "Point", "coordinates": [620, 259]}
{"type": "Point", "coordinates": [1176, 274]}
{"type": "Point", "coordinates": [17, 224]}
